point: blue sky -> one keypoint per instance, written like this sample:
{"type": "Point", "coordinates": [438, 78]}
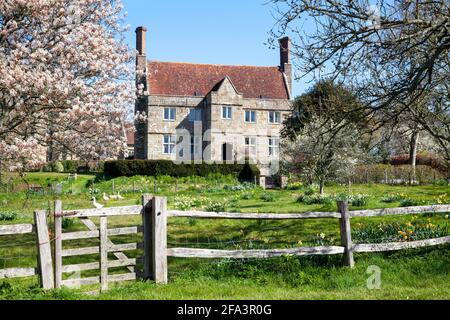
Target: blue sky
{"type": "Point", "coordinates": [232, 32]}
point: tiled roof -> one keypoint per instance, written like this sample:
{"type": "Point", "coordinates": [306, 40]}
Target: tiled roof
{"type": "Point", "coordinates": [187, 79]}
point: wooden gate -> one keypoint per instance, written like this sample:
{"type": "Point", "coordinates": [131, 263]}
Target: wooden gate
{"type": "Point", "coordinates": [105, 247]}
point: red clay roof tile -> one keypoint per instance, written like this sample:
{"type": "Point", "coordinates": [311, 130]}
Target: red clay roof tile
{"type": "Point", "coordinates": [187, 79]}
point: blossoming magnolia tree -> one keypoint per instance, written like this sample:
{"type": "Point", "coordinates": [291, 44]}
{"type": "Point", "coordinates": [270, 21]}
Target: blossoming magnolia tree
{"type": "Point", "coordinates": [65, 79]}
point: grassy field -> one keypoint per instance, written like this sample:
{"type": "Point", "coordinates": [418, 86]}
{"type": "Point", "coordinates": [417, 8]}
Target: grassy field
{"type": "Point", "coordinates": [411, 274]}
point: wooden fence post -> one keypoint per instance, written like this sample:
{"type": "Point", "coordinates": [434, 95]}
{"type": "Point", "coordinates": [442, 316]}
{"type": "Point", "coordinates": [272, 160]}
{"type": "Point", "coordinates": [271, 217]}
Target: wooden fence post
{"type": "Point", "coordinates": [58, 243]}
{"type": "Point", "coordinates": [147, 224]}
{"type": "Point", "coordinates": [159, 239]}
{"type": "Point", "coordinates": [104, 253]}
{"type": "Point", "coordinates": [45, 263]}
{"type": "Point", "coordinates": [346, 233]}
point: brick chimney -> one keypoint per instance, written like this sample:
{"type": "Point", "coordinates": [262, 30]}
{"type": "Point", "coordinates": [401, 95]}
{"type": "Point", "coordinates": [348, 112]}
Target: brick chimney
{"type": "Point", "coordinates": [141, 41]}
{"type": "Point", "coordinates": [285, 61]}
{"type": "Point", "coordinates": [141, 105]}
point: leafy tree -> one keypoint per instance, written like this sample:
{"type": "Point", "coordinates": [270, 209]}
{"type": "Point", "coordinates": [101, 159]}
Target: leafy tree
{"type": "Point", "coordinates": [319, 141]}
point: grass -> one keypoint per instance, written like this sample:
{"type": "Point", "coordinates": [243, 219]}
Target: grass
{"type": "Point", "coordinates": [412, 274]}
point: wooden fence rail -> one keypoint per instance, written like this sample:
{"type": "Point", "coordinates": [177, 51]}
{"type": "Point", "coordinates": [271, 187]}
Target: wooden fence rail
{"type": "Point", "coordinates": [44, 263]}
{"type": "Point", "coordinates": [347, 248]}
{"type": "Point", "coordinates": [154, 214]}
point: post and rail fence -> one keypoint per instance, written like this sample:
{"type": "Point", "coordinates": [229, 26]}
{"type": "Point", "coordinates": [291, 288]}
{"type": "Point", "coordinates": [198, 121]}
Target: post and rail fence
{"type": "Point", "coordinates": [44, 265]}
{"type": "Point", "coordinates": [155, 217]}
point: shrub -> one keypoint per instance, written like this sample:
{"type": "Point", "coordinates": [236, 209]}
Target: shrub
{"type": "Point", "coordinates": [315, 199]}
{"type": "Point", "coordinates": [240, 187]}
{"type": "Point", "coordinates": [393, 197]}
{"type": "Point", "coordinates": [294, 186]}
{"type": "Point", "coordinates": [131, 168]}
{"type": "Point", "coordinates": [359, 200]}
{"type": "Point", "coordinates": [423, 159]}
{"type": "Point", "coordinates": [70, 166]}
{"type": "Point", "coordinates": [8, 216]}
{"type": "Point", "coordinates": [247, 196]}
{"type": "Point", "coordinates": [215, 207]}
{"type": "Point", "coordinates": [412, 202]}
{"type": "Point", "coordinates": [58, 167]}
{"type": "Point", "coordinates": [249, 173]}
{"type": "Point", "coordinates": [312, 189]}
{"type": "Point", "coordinates": [267, 197]}
{"type": "Point", "coordinates": [393, 232]}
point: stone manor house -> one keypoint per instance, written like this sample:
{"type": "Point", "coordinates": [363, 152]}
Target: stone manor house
{"type": "Point", "coordinates": [204, 112]}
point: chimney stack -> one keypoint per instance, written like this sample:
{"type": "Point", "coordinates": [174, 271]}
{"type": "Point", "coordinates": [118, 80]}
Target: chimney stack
{"type": "Point", "coordinates": [141, 40]}
{"type": "Point", "coordinates": [285, 61]}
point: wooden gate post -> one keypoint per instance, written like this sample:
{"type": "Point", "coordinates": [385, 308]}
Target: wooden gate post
{"type": "Point", "coordinates": [58, 243]}
{"type": "Point", "coordinates": [159, 239]}
{"type": "Point", "coordinates": [45, 264]}
{"type": "Point", "coordinates": [346, 233]}
{"type": "Point", "coordinates": [147, 224]}
{"type": "Point", "coordinates": [104, 253]}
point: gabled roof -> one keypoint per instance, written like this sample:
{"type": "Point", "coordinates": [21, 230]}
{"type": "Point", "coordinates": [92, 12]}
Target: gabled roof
{"type": "Point", "coordinates": [187, 79]}
{"type": "Point", "coordinates": [223, 83]}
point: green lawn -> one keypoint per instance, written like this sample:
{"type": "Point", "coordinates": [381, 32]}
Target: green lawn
{"type": "Point", "coordinates": [412, 274]}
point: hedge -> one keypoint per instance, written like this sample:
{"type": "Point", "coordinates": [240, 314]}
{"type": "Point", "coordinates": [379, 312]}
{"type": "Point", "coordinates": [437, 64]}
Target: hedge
{"type": "Point", "coordinates": [74, 166]}
{"type": "Point", "coordinates": [424, 159]}
{"type": "Point", "coordinates": [129, 168]}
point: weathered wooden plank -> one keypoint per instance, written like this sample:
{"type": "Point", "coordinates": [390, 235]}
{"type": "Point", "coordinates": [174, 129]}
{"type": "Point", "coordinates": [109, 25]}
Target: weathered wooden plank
{"type": "Point", "coordinates": [104, 253]}
{"type": "Point", "coordinates": [257, 254]}
{"type": "Point", "coordinates": [114, 211]}
{"type": "Point", "coordinates": [80, 267]}
{"type": "Point", "coordinates": [125, 231]}
{"type": "Point", "coordinates": [401, 211]}
{"type": "Point", "coordinates": [45, 262]}
{"type": "Point", "coordinates": [80, 235]}
{"type": "Point", "coordinates": [119, 255]}
{"type": "Point", "coordinates": [122, 263]}
{"type": "Point", "coordinates": [147, 225]}
{"type": "Point", "coordinates": [17, 273]}
{"type": "Point", "coordinates": [58, 243]}
{"type": "Point", "coordinates": [125, 247]}
{"type": "Point", "coordinates": [346, 233]}
{"type": "Point", "coordinates": [80, 251]}
{"type": "Point", "coordinates": [96, 265]}
{"type": "Point", "coordinates": [251, 216]}
{"type": "Point", "coordinates": [159, 239]}
{"type": "Point", "coordinates": [71, 283]}
{"type": "Point", "coordinates": [16, 229]}
{"type": "Point", "coordinates": [394, 246]}
{"type": "Point", "coordinates": [122, 277]}
{"type": "Point", "coordinates": [96, 234]}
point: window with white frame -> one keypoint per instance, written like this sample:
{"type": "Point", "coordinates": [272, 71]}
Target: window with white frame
{"type": "Point", "coordinates": [169, 143]}
{"type": "Point", "coordinates": [195, 114]}
{"type": "Point", "coordinates": [274, 146]}
{"type": "Point", "coordinates": [274, 117]}
{"type": "Point", "coordinates": [226, 112]}
{"type": "Point", "coordinates": [250, 116]}
{"type": "Point", "coordinates": [250, 146]}
{"type": "Point", "coordinates": [170, 114]}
